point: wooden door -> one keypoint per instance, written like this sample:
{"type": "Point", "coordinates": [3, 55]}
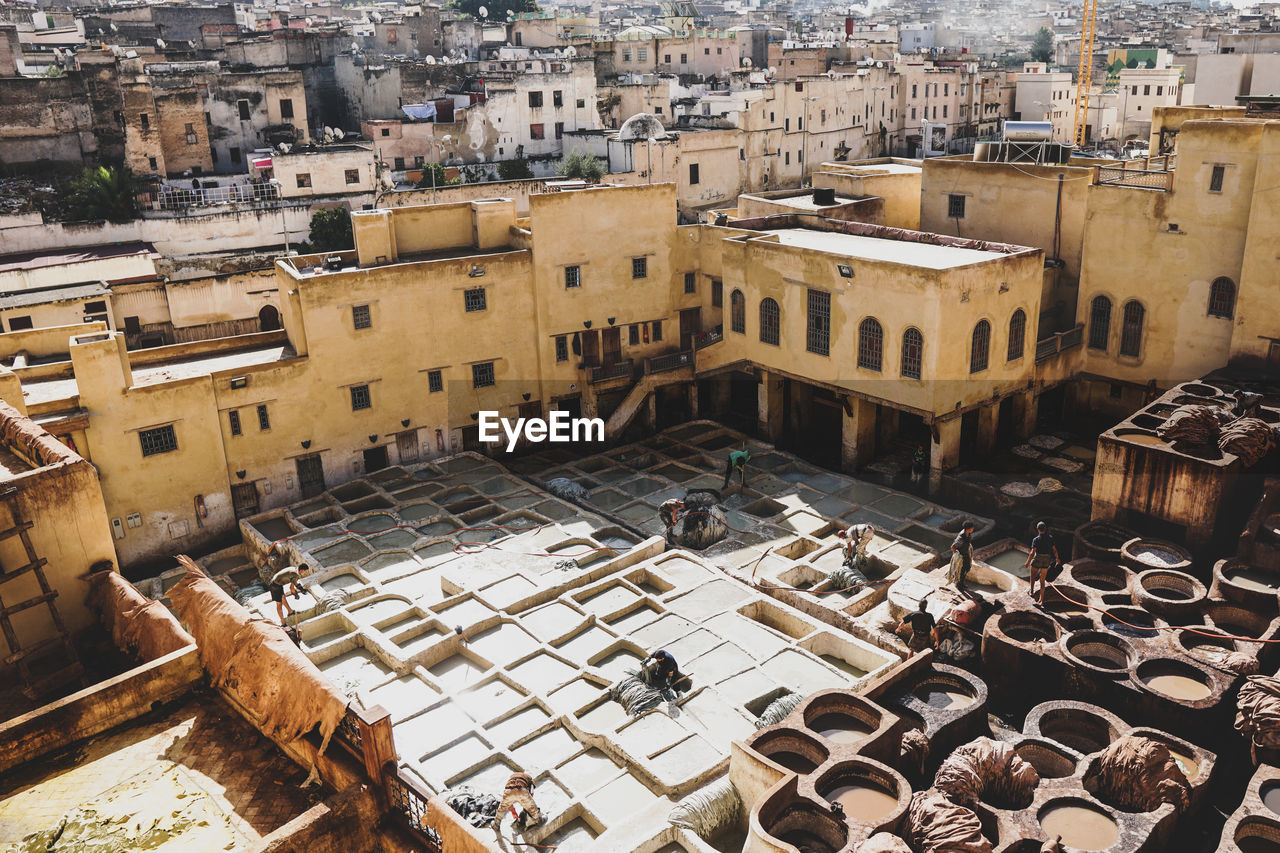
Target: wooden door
{"type": "Point", "coordinates": [244, 499]}
{"type": "Point", "coordinates": [310, 475]}
{"type": "Point", "coordinates": [407, 446]}
{"type": "Point", "coordinates": [590, 348]}
{"type": "Point", "coordinates": [690, 326]}
{"type": "Point", "coordinates": [612, 338]}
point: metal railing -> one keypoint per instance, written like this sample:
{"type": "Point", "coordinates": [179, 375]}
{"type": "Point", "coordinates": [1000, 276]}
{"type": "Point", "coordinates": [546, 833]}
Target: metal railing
{"type": "Point", "coordinates": [181, 198]}
{"type": "Point", "coordinates": [709, 337]}
{"type": "Point", "coordinates": [668, 362]}
{"type": "Point", "coordinates": [616, 370]}
{"type": "Point", "coordinates": [348, 733]}
{"type": "Point", "coordinates": [1058, 342]}
{"type": "Point", "coordinates": [1153, 173]}
{"type": "Point", "coordinates": [409, 803]}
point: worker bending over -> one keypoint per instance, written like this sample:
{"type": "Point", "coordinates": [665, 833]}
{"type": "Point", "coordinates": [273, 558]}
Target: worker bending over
{"type": "Point", "coordinates": [289, 576]}
{"type": "Point", "coordinates": [663, 671]}
{"type": "Point", "coordinates": [854, 544]}
{"type": "Point", "coordinates": [738, 460]}
{"type": "Point", "coordinates": [518, 792]}
{"type": "Point", "coordinates": [670, 512]}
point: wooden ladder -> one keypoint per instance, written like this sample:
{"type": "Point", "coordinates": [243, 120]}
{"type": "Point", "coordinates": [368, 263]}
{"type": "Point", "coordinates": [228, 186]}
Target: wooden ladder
{"type": "Point", "coordinates": [24, 657]}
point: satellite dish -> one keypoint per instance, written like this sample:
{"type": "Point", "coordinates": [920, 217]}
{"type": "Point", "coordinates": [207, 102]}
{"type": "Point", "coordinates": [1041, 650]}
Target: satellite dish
{"type": "Point", "coordinates": [570, 51]}
{"type": "Point", "coordinates": [430, 60]}
{"type": "Point", "coordinates": [483, 11]}
{"type": "Point", "coordinates": [114, 28]}
{"type": "Point", "coordinates": [339, 133]}
{"type": "Point", "coordinates": [160, 43]}
{"type": "Point", "coordinates": [746, 62]}
{"type": "Point", "coordinates": [355, 46]}
{"type": "Point", "coordinates": [772, 71]}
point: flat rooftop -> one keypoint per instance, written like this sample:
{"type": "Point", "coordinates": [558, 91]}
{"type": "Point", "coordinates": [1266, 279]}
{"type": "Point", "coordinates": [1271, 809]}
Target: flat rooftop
{"type": "Point", "coordinates": [914, 254]}
{"type": "Point", "coordinates": [37, 260]}
{"type": "Point", "coordinates": [877, 169]}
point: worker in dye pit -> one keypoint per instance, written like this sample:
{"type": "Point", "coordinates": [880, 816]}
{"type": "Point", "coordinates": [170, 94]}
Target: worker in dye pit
{"type": "Point", "coordinates": [670, 512]}
{"type": "Point", "coordinates": [854, 543]}
{"type": "Point", "coordinates": [663, 670]}
{"type": "Point", "coordinates": [288, 576]}
{"type": "Point", "coordinates": [961, 556]}
{"type": "Point", "coordinates": [738, 460]}
{"type": "Point", "coordinates": [518, 792]}
{"type": "Point", "coordinates": [918, 628]}
{"type": "Point", "coordinates": [1043, 557]}
{"type": "Point", "coordinates": [919, 464]}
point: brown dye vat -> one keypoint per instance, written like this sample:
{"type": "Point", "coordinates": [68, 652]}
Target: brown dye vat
{"type": "Point", "coordinates": [1146, 439]}
{"type": "Point", "coordinates": [1178, 686]}
{"type": "Point", "coordinates": [1252, 579]}
{"type": "Point", "coordinates": [1080, 826]}
{"type": "Point", "coordinates": [1271, 797]}
{"type": "Point", "coordinates": [807, 841]}
{"type": "Point", "coordinates": [1257, 844]}
{"type": "Point", "coordinates": [793, 761]}
{"type": "Point", "coordinates": [937, 696]}
{"type": "Point", "coordinates": [840, 728]}
{"type": "Point", "coordinates": [866, 803]}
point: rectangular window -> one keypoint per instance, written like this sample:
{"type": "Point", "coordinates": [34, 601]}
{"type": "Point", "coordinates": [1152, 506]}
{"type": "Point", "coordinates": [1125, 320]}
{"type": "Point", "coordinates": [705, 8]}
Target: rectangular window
{"type": "Point", "coordinates": [573, 276]}
{"type": "Point", "coordinates": [146, 121]}
{"type": "Point", "coordinates": [787, 159]}
{"type": "Point", "coordinates": [691, 282]}
{"type": "Point", "coordinates": [435, 381]}
{"type": "Point", "coordinates": [235, 155]}
{"type": "Point", "coordinates": [360, 317]}
{"type": "Point", "coordinates": [626, 56]}
{"type": "Point", "coordinates": [473, 299]}
{"type": "Point", "coordinates": [559, 130]}
{"type": "Point", "coordinates": [244, 109]}
{"type": "Point", "coordinates": [482, 375]}
{"type": "Point", "coordinates": [233, 418]}
{"type": "Point", "coordinates": [303, 179]}
{"type": "Point", "coordinates": [786, 124]}
{"type": "Point", "coordinates": [1146, 90]}
{"type": "Point", "coordinates": [398, 164]}
{"type": "Point", "coordinates": [955, 206]}
{"type": "Point", "coordinates": [562, 348]}
{"type": "Point", "coordinates": [642, 54]}
{"type": "Point", "coordinates": [353, 176]}
{"type": "Point", "coordinates": [386, 131]}
{"type": "Point", "coordinates": [192, 139]}
{"type": "Point", "coordinates": [1159, 90]}
{"type": "Point", "coordinates": [1215, 179]}
{"type": "Point", "coordinates": [286, 108]}
{"type": "Point", "coordinates": [17, 324]}
{"type": "Point", "coordinates": [684, 59]}
{"type": "Point", "coordinates": [913, 90]}
{"type": "Point", "coordinates": [536, 131]}
{"type": "Point", "coordinates": [633, 334]}
{"type": "Point", "coordinates": [717, 293]}
{"type": "Point", "coordinates": [657, 331]}
{"type": "Point", "coordinates": [639, 267]}
{"type": "Point", "coordinates": [264, 419]}
{"type": "Point", "coordinates": [95, 307]}
{"type": "Point", "coordinates": [666, 58]}
{"type": "Point", "coordinates": [818, 331]}
{"type": "Point", "coordinates": [557, 98]}
{"type": "Point", "coordinates": [535, 99]}
{"type": "Point", "coordinates": [693, 173]}
{"type": "Point", "coordinates": [913, 112]}
{"type": "Point", "coordinates": [360, 398]}
{"type": "Point", "coordinates": [581, 103]}
{"type": "Point", "coordinates": [158, 440]}
{"type": "Point", "coordinates": [944, 110]}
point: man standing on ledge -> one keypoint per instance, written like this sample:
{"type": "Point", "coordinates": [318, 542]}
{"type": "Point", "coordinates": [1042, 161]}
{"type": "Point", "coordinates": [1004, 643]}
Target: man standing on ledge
{"type": "Point", "coordinates": [961, 556]}
{"type": "Point", "coordinates": [737, 459]}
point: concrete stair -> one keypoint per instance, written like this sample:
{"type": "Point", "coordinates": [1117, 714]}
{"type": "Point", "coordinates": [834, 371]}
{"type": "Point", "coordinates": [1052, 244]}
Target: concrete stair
{"type": "Point", "coordinates": [639, 393]}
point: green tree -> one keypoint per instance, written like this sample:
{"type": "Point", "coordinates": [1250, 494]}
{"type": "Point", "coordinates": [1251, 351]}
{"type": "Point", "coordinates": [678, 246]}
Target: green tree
{"type": "Point", "coordinates": [433, 175]}
{"type": "Point", "coordinates": [1042, 45]}
{"type": "Point", "coordinates": [497, 9]}
{"type": "Point", "coordinates": [514, 170]}
{"type": "Point", "coordinates": [581, 165]}
{"type": "Point", "coordinates": [331, 231]}
{"type": "Point", "coordinates": [104, 192]}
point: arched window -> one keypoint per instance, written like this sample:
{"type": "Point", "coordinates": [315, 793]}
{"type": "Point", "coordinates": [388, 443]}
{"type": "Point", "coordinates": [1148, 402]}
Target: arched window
{"type": "Point", "coordinates": [1222, 298]}
{"type": "Point", "coordinates": [738, 312]}
{"type": "Point", "coordinates": [769, 321]}
{"type": "Point", "coordinates": [979, 348]}
{"type": "Point", "coordinates": [1099, 323]}
{"type": "Point", "coordinates": [1017, 333]}
{"type": "Point", "coordinates": [870, 344]}
{"type": "Point", "coordinates": [912, 353]}
{"type": "Point", "coordinates": [1131, 330]}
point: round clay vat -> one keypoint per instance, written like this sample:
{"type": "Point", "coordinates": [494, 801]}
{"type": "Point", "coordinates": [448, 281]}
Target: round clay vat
{"type": "Point", "coordinates": [1098, 651]}
{"type": "Point", "coordinates": [1142, 554]}
{"type": "Point", "coordinates": [1211, 650]}
{"type": "Point", "coordinates": [1200, 389]}
{"type": "Point", "coordinates": [1172, 595]}
{"type": "Point", "coordinates": [1143, 437]}
{"type": "Point", "coordinates": [1099, 576]}
{"type": "Point", "coordinates": [1160, 410]}
{"type": "Point", "coordinates": [1258, 834]}
{"type": "Point", "coordinates": [1174, 679]}
{"type": "Point", "coordinates": [1132, 622]}
{"type": "Point", "coordinates": [1100, 540]}
{"type": "Point", "coordinates": [1146, 421]}
{"type": "Point", "coordinates": [1027, 626]}
{"type": "Point", "coordinates": [1081, 824]}
{"type": "Point", "coordinates": [1186, 756]}
{"type": "Point", "coordinates": [943, 692]}
{"type": "Point", "coordinates": [1064, 600]}
{"type": "Point", "coordinates": [840, 718]}
{"type": "Point", "coordinates": [1238, 621]}
{"type": "Point", "coordinates": [1269, 793]}
{"type": "Point", "coordinates": [1253, 588]}
{"type": "Point", "coordinates": [1049, 759]}
{"type": "Point", "coordinates": [796, 751]}
{"type": "Point", "coordinates": [805, 825]}
{"type": "Point", "coordinates": [869, 794]}
{"type": "Point", "coordinates": [1084, 728]}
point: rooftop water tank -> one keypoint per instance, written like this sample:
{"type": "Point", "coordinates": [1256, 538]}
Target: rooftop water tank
{"type": "Point", "coordinates": [1028, 131]}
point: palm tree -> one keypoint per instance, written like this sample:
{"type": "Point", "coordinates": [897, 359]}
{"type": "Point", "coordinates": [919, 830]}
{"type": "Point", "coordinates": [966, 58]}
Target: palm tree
{"type": "Point", "coordinates": [104, 192]}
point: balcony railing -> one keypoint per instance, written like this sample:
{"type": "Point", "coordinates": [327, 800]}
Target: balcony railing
{"type": "Point", "coordinates": [1152, 173]}
{"type": "Point", "coordinates": [182, 198]}
{"type": "Point", "coordinates": [409, 803]}
{"type": "Point", "coordinates": [709, 337]}
{"type": "Point", "coordinates": [616, 370]}
{"type": "Point", "coordinates": [670, 361]}
{"type": "Point", "coordinates": [1058, 342]}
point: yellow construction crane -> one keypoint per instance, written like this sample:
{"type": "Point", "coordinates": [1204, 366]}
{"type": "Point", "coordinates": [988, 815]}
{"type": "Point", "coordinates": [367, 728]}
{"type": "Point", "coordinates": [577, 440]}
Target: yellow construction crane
{"type": "Point", "coordinates": [1084, 76]}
